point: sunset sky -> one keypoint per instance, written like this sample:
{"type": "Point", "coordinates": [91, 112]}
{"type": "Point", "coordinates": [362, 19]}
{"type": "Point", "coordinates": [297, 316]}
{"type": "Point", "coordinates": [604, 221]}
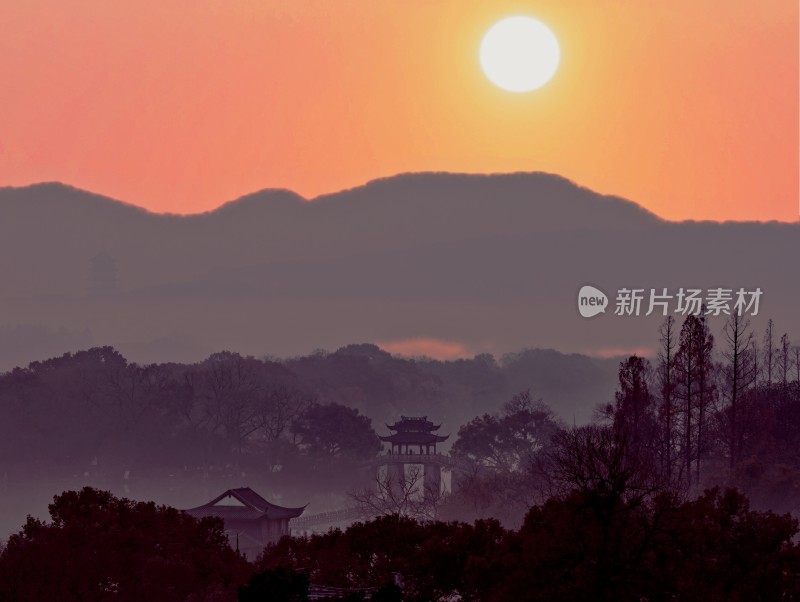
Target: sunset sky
{"type": "Point", "coordinates": [688, 107]}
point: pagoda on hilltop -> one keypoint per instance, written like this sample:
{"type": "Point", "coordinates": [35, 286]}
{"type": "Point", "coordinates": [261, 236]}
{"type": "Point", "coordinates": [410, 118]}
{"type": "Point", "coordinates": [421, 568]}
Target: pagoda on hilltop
{"type": "Point", "coordinates": [412, 433]}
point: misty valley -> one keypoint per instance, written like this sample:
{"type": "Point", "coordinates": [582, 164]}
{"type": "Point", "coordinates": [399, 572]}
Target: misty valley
{"type": "Point", "coordinates": [271, 479]}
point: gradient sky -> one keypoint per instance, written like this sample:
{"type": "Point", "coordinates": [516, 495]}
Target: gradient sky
{"type": "Point", "coordinates": [689, 107]}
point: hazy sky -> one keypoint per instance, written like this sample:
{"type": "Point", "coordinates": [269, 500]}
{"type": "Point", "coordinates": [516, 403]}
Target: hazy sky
{"type": "Point", "coordinates": [689, 107]}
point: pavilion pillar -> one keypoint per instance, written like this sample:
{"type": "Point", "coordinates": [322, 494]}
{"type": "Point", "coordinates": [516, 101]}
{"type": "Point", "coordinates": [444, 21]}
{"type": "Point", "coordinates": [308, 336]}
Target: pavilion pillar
{"type": "Point", "coordinates": [432, 481]}
{"type": "Point", "coordinates": [395, 475]}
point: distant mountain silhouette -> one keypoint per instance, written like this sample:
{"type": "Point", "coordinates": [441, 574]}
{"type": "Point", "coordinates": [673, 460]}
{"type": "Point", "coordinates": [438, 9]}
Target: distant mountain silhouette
{"type": "Point", "coordinates": [493, 263]}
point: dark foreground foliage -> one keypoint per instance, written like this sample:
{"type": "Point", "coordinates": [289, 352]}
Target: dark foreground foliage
{"type": "Point", "coordinates": [590, 544]}
{"type": "Point", "coordinates": [582, 546]}
{"type": "Point", "coordinates": [99, 547]}
{"type": "Point", "coordinates": [279, 584]}
{"type": "Point", "coordinates": [587, 547]}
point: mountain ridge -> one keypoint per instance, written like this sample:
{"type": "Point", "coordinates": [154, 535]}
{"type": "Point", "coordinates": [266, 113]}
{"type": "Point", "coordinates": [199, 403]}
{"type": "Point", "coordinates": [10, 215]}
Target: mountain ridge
{"type": "Point", "coordinates": [284, 194]}
{"type": "Point", "coordinates": [287, 196]}
{"type": "Point", "coordinates": [485, 263]}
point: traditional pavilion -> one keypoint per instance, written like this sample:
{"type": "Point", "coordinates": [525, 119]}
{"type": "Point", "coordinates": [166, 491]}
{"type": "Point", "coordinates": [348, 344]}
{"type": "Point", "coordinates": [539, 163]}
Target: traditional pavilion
{"type": "Point", "coordinates": [412, 433]}
{"type": "Point", "coordinates": [251, 522]}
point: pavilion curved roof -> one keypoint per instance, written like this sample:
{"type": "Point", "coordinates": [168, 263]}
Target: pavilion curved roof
{"type": "Point", "coordinates": [414, 423]}
{"type": "Point", "coordinates": [250, 506]}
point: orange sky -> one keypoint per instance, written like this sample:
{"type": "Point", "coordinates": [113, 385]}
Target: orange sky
{"type": "Point", "coordinates": [689, 107]}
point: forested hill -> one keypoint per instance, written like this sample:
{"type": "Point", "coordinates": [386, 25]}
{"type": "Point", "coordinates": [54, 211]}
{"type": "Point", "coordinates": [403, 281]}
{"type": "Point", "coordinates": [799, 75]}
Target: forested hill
{"type": "Point", "coordinates": [95, 406]}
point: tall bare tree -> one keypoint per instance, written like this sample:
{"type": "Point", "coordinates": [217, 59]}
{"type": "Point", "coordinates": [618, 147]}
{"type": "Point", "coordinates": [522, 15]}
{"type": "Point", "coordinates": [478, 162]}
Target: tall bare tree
{"type": "Point", "coordinates": [769, 351]}
{"type": "Point", "coordinates": [706, 388]}
{"type": "Point", "coordinates": [784, 363]}
{"type": "Point", "coordinates": [633, 408]}
{"type": "Point", "coordinates": [666, 386]}
{"type": "Point", "coordinates": [229, 388]}
{"type": "Point", "coordinates": [278, 408]}
{"type": "Point", "coordinates": [740, 375]}
{"type": "Point", "coordinates": [796, 350]}
{"type": "Point", "coordinates": [601, 460]}
{"type": "Point", "coordinates": [685, 391]}
{"type": "Point", "coordinates": [404, 495]}
{"type": "Point", "coordinates": [694, 387]}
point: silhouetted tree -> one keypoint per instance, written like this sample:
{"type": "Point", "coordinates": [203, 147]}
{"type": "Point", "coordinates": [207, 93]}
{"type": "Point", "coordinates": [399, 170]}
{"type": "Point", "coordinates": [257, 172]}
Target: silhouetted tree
{"type": "Point", "coordinates": [508, 441]}
{"type": "Point", "coordinates": [706, 390]}
{"type": "Point", "coordinates": [769, 351]}
{"type": "Point", "coordinates": [336, 431]}
{"type": "Point", "coordinates": [576, 548]}
{"type": "Point", "coordinates": [278, 409]}
{"type": "Point", "coordinates": [403, 495]}
{"type": "Point", "coordinates": [666, 387]}
{"type": "Point", "coordinates": [230, 389]}
{"type": "Point", "coordinates": [740, 375]}
{"type": "Point", "coordinates": [796, 350]}
{"type": "Point", "coordinates": [506, 454]}
{"type": "Point", "coordinates": [436, 561]}
{"type": "Point", "coordinates": [694, 388]}
{"type": "Point", "coordinates": [633, 410]}
{"type": "Point", "coordinates": [100, 547]}
{"type": "Point", "coordinates": [603, 461]}
{"type": "Point", "coordinates": [730, 552]}
{"type": "Point", "coordinates": [784, 363]}
{"type": "Point", "coordinates": [583, 545]}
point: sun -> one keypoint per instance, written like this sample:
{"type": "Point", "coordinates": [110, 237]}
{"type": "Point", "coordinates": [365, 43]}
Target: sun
{"type": "Point", "coordinates": [519, 54]}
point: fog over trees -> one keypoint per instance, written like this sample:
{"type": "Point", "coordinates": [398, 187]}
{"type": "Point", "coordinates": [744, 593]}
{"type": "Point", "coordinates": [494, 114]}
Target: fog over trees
{"type": "Point", "coordinates": [296, 428]}
{"type": "Point", "coordinates": [685, 483]}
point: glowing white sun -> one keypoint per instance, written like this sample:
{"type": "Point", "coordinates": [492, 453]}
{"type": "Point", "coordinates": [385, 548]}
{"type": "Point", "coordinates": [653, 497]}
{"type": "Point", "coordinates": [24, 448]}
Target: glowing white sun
{"type": "Point", "coordinates": [519, 54]}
